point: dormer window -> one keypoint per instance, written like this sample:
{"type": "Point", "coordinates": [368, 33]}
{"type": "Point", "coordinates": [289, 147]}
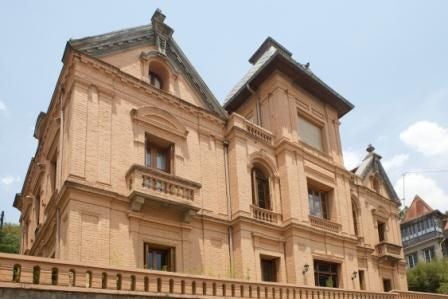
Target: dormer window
{"type": "Point", "coordinates": [155, 80]}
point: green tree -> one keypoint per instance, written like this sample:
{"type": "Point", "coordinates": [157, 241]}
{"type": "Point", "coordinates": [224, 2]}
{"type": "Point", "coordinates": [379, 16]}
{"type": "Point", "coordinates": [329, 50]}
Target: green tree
{"type": "Point", "coordinates": [10, 238]}
{"type": "Point", "coordinates": [429, 277]}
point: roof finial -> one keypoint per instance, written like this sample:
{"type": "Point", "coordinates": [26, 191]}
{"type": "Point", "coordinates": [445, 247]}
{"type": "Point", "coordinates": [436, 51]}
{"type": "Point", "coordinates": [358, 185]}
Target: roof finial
{"type": "Point", "coordinates": [158, 16]}
{"type": "Point", "coordinates": [370, 148]}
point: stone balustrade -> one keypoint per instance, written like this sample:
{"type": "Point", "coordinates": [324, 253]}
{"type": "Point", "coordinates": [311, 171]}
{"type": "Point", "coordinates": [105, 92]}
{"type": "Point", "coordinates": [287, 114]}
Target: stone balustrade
{"type": "Point", "coordinates": [251, 129]}
{"type": "Point", "coordinates": [27, 272]}
{"type": "Point", "coordinates": [50, 274]}
{"type": "Point", "coordinates": [324, 224]}
{"type": "Point", "coordinates": [158, 184]}
{"type": "Point", "coordinates": [264, 215]}
{"type": "Point", "coordinates": [388, 249]}
{"type": "Point", "coordinates": [418, 295]}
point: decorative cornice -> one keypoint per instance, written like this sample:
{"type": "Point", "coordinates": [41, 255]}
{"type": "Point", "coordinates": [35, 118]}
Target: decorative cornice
{"type": "Point", "coordinates": [161, 119]}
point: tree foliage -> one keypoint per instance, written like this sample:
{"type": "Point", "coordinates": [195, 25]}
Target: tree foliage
{"type": "Point", "coordinates": [429, 277]}
{"type": "Point", "coordinates": [10, 238]}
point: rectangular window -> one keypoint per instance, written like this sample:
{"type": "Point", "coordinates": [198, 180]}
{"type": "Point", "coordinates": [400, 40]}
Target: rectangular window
{"type": "Point", "coordinates": [362, 279]}
{"type": "Point", "coordinates": [159, 257]}
{"type": "Point", "coordinates": [429, 254]}
{"type": "Point", "coordinates": [387, 285]}
{"type": "Point", "coordinates": [260, 189]}
{"type": "Point", "coordinates": [318, 203]}
{"type": "Point", "coordinates": [381, 231]}
{"type": "Point", "coordinates": [309, 133]}
{"type": "Point", "coordinates": [326, 274]}
{"type": "Point", "coordinates": [37, 207]}
{"type": "Point", "coordinates": [269, 269]}
{"type": "Point", "coordinates": [412, 259]}
{"type": "Point", "coordinates": [158, 153]}
{"type": "Point", "coordinates": [53, 169]}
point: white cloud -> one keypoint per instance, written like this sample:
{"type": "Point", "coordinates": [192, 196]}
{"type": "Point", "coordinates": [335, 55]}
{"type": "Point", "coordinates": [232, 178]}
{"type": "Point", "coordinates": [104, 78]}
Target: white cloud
{"type": "Point", "coordinates": [395, 162]}
{"type": "Point", "coordinates": [426, 188]}
{"type": "Point", "coordinates": [2, 106]}
{"type": "Point", "coordinates": [351, 158]}
{"type": "Point", "coordinates": [9, 179]}
{"type": "Point", "coordinates": [426, 137]}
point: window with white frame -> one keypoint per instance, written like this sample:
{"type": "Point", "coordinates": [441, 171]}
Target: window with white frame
{"type": "Point", "coordinates": [412, 259]}
{"type": "Point", "coordinates": [429, 254]}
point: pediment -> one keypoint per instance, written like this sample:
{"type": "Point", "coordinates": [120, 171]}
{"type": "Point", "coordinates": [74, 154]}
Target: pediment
{"type": "Point", "coordinates": [372, 168]}
{"type": "Point", "coordinates": [159, 118]}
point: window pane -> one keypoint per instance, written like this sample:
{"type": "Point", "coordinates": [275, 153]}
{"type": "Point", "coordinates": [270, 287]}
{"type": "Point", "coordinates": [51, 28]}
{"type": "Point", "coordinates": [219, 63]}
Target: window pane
{"type": "Point", "coordinates": [326, 274]}
{"type": "Point", "coordinates": [158, 259]}
{"type": "Point", "coordinates": [310, 133]}
{"type": "Point", "coordinates": [161, 160]}
{"type": "Point", "coordinates": [381, 231]}
{"type": "Point", "coordinates": [268, 270]}
{"type": "Point", "coordinates": [262, 189]}
{"type": "Point", "coordinates": [315, 202]}
{"type": "Point", "coordinates": [155, 80]}
{"type": "Point", "coordinates": [148, 158]}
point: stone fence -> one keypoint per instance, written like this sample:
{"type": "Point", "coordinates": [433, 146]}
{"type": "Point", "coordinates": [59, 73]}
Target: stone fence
{"type": "Point", "coordinates": [27, 273]}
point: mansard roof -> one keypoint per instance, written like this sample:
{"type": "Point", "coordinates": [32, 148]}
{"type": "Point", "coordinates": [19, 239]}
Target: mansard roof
{"type": "Point", "coordinates": [372, 164]}
{"type": "Point", "coordinates": [271, 56]}
{"type": "Point", "coordinates": [159, 34]}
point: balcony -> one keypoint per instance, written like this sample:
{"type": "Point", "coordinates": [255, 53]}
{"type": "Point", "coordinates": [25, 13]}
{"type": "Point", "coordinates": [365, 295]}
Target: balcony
{"type": "Point", "coordinates": [265, 215]}
{"type": "Point", "coordinates": [388, 251]}
{"type": "Point", "coordinates": [324, 224]}
{"type": "Point", "coordinates": [150, 184]}
{"type": "Point", "coordinates": [250, 129]}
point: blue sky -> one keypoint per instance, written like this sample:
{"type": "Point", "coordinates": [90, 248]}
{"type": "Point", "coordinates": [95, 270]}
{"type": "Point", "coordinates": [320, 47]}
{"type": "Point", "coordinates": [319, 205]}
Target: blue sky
{"type": "Point", "coordinates": [389, 58]}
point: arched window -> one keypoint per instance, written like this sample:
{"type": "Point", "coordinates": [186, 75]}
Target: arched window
{"type": "Point", "coordinates": [260, 189]}
{"type": "Point", "coordinates": [155, 80]}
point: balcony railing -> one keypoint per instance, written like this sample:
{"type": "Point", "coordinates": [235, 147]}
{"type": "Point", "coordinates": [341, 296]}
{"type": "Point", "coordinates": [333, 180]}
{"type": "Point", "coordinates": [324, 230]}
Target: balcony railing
{"type": "Point", "coordinates": [151, 183]}
{"type": "Point", "coordinates": [251, 129]}
{"type": "Point", "coordinates": [385, 249]}
{"type": "Point", "coordinates": [265, 215]}
{"type": "Point", "coordinates": [259, 132]}
{"type": "Point", "coordinates": [27, 273]}
{"type": "Point", "coordinates": [325, 224]}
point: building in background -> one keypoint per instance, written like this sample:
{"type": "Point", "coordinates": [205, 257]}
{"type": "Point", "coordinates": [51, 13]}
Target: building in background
{"type": "Point", "coordinates": [424, 233]}
{"type": "Point", "coordinates": [138, 165]}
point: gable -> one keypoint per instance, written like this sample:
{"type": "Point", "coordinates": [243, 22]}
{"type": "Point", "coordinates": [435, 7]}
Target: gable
{"type": "Point", "coordinates": [140, 61]}
{"type": "Point", "coordinates": [130, 49]}
{"type": "Point", "coordinates": [370, 170]}
{"type": "Point", "coordinates": [417, 209]}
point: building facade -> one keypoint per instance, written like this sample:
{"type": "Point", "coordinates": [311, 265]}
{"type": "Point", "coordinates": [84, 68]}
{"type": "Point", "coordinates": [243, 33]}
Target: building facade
{"type": "Point", "coordinates": [138, 165]}
{"type": "Point", "coordinates": [424, 233]}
